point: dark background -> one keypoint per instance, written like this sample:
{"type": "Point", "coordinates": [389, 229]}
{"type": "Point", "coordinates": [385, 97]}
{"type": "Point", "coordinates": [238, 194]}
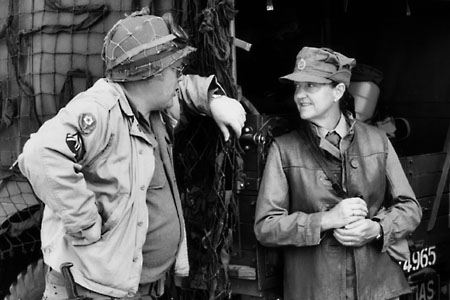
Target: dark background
{"type": "Point", "coordinates": [409, 41]}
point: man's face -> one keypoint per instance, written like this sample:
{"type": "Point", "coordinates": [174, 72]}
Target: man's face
{"type": "Point", "coordinates": [164, 90]}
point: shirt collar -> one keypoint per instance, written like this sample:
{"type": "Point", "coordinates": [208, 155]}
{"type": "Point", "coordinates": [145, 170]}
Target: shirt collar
{"type": "Point", "coordinates": [342, 128]}
{"type": "Point", "coordinates": [140, 117]}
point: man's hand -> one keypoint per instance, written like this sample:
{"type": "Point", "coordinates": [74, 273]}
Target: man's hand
{"type": "Point", "coordinates": [89, 235]}
{"type": "Point", "coordinates": [357, 233]}
{"type": "Point", "coordinates": [227, 112]}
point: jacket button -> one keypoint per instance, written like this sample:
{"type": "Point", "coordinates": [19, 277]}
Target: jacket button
{"type": "Point", "coordinates": [131, 294]}
{"type": "Point", "coordinates": [140, 223]}
{"type": "Point", "coordinates": [354, 163]}
{"type": "Point", "coordinates": [135, 259]}
{"type": "Point", "coordinates": [142, 187]}
{"type": "Point", "coordinates": [140, 152]}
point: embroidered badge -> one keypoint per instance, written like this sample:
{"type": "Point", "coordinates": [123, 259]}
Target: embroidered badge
{"type": "Point", "coordinates": [301, 64]}
{"type": "Point", "coordinates": [87, 123]}
{"type": "Point", "coordinates": [75, 144]}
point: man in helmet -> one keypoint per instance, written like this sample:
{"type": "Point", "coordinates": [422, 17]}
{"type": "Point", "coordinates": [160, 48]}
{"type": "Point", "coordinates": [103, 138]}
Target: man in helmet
{"type": "Point", "coordinates": [103, 165]}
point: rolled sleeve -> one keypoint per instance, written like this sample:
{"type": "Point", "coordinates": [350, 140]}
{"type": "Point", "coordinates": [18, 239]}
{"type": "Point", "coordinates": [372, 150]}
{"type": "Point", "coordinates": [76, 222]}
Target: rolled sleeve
{"type": "Point", "coordinates": [195, 92]}
{"type": "Point", "coordinates": [403, 215]}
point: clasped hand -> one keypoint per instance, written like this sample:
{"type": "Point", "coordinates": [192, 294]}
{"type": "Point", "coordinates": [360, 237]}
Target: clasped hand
{"type": "Point", "coordinates": [349, 223]}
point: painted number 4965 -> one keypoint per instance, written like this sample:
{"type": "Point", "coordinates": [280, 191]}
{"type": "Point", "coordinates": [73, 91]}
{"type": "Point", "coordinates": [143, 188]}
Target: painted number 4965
{"type": "Point", "coordinates": [420, 259]}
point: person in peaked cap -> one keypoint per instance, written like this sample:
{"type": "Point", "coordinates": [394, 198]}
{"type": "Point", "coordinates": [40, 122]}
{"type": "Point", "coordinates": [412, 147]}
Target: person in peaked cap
{"type": "Point", "coordinates": [333, 194]}
{"type": "Point", "coordinates": [103, 165]}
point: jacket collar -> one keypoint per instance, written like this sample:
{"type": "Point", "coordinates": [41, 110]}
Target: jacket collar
{"type": "Point", "coordinates": [120, 94]}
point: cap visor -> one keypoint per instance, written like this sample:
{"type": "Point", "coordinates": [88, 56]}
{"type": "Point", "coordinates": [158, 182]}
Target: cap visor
{"type": "Point", "coordinates": [303, 77]}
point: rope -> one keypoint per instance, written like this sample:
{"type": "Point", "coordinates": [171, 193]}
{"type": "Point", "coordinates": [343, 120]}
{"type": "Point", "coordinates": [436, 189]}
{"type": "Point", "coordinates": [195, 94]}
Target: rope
{"type": "Point", "coordinates": [209, 168]}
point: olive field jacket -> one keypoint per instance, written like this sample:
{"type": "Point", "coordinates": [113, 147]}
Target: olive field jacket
{"type": "Point", "coordinates": [92, 161]}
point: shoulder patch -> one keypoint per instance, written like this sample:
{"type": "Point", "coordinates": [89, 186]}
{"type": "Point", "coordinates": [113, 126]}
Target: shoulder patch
{"type": "Point", "coordinates": [75, 144]}
{"type": "Point", "coordinates": [87, 123]}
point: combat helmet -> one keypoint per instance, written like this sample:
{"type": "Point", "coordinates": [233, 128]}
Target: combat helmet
{"type": "Point", "coordinates": [142, 45]}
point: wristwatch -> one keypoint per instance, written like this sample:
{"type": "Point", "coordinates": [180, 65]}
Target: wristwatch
{"type": "Point", "coordinates": [379, 236]}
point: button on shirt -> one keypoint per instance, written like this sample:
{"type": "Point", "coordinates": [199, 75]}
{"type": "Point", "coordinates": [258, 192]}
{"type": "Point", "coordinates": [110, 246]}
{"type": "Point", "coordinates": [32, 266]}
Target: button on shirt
{"type": "Point", "coordinates": [163, 233]}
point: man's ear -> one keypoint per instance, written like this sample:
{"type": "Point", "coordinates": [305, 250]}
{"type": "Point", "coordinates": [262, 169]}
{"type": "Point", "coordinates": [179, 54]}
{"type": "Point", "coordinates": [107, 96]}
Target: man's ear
{"type": "Point", "coordinates": [339, 90]}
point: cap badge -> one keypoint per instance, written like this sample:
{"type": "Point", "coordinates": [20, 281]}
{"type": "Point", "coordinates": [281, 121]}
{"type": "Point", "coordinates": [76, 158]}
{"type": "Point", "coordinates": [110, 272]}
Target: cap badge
{"type": "Point", "coordinates": [301, 64]}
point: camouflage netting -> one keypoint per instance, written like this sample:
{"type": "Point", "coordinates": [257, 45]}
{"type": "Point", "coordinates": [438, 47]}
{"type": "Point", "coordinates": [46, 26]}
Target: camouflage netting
{"type": "Point", "coordinates": [50, 51]}
{"type": "Point", "coordinates": [19, 212]}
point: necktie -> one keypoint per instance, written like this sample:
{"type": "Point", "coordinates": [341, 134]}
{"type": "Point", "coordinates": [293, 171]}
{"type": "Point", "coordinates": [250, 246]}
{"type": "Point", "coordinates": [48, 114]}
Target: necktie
{"type": "Point", "coordinates": [334, 138]}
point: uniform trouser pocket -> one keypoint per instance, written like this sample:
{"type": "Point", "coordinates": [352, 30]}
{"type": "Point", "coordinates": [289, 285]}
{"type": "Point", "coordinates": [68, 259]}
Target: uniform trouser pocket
{"type": "Point", "coordinates": [55, 288]}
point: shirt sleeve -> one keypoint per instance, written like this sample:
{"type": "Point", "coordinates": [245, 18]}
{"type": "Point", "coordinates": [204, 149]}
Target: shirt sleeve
{"type": "Point", "coordinates": [402, 215]}
{"type": "Point", "coordinates": [54, 157]}
{"type": "Point", "coordinates": [195, 93]}
{"type": "Point", "coordinates": [275, 225]}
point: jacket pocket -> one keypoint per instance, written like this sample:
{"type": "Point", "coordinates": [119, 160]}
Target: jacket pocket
{"type": "Point", "coordinates": [117, 214]}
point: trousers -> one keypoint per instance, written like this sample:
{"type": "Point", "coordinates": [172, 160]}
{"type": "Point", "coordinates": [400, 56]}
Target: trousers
{"type": "Point", "coordinates": [55, 289]}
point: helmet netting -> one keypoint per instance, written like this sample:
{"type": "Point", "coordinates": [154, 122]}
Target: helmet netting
{"type": "Point", "coordinates": [135, 38]}
{"type": "Point", "coordinates": [128, 39]}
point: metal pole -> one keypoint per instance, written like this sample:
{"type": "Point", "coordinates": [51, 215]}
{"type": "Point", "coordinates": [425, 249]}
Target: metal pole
{"type": "Point", "coordinates": [233, 49]}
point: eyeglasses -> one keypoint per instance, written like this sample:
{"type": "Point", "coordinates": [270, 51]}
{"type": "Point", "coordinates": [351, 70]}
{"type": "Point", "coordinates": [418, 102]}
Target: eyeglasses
{"type": "Point", "coordinates": [179, 70]}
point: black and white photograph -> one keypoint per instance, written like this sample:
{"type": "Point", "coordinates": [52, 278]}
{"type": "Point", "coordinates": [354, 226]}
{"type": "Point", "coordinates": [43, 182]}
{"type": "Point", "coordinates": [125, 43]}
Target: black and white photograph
{"type": "Point", "coordinates": [224, 150]}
